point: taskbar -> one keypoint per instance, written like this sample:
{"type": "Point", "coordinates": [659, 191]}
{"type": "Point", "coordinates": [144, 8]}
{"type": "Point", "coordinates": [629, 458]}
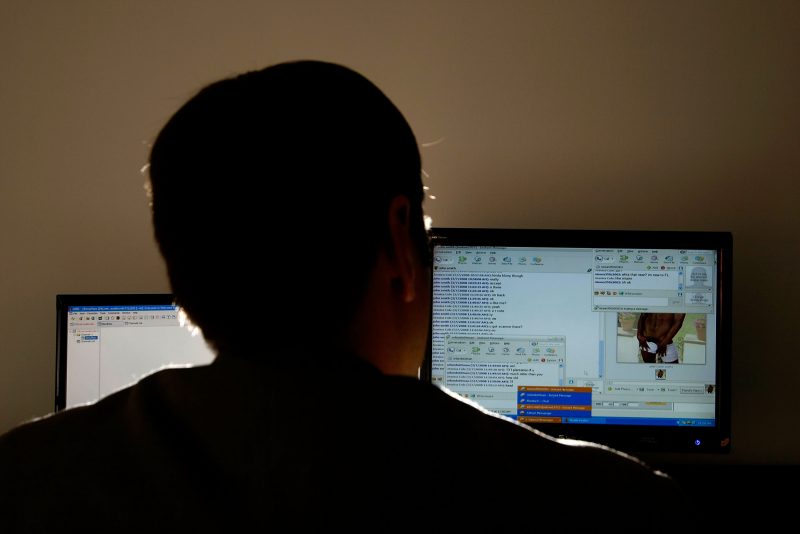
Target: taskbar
{"type": "Point", "coordinates": [635, 421]}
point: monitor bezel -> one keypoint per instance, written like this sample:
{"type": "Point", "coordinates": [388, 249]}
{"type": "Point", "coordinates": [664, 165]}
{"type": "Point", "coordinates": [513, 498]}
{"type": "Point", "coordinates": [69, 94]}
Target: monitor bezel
{"type": "Point", "coordinates": [631, 438]}
{"type": "Point", "coordinates": [65, 301]}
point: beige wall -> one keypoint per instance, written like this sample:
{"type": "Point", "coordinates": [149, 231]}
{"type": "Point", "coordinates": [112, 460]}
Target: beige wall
{"type": "Point", "coordinates": [634, 114]}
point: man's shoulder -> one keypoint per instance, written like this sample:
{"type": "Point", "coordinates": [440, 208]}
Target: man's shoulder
{"type": "Point", "coordinates": [113, 426]}
{"type": "Point", "coordinates": [64, 436]}
{"type": "Point", "coordinates": [86, 461]}
{"type": "Point", "coordinates": [467, 430]}
{"type": "Point", "coordinates": [493, 458]}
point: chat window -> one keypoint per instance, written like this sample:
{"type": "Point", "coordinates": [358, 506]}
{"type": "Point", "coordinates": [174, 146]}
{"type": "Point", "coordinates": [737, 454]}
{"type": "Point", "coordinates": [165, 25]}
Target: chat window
{"type": "Point", "coordinates": [653, 280]}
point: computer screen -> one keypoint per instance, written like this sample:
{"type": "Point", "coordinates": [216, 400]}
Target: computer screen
{"type": "Point", "coordinates": [619, 337]}
{"type": "Point", "coordinates": [107, 342]}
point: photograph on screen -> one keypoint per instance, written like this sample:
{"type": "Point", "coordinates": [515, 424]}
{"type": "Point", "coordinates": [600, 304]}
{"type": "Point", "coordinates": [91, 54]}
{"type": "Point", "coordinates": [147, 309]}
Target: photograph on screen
{"type": "Point", "coordinates": [668, 338]}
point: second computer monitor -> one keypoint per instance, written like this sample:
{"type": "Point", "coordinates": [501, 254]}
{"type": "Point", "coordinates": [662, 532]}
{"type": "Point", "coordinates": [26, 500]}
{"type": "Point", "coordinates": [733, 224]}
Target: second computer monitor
{"type": "Point", "coordinates": [620, 337]}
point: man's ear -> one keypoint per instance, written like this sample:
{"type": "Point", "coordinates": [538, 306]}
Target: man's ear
{"type": "Point", "coordinates": [401, 251]}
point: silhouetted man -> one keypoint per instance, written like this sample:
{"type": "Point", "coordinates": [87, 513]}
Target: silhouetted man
{"type": "Point", "coordinates": [287, 204]}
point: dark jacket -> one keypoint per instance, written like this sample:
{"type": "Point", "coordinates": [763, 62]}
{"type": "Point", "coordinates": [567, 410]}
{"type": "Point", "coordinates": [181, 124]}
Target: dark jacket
{"type": "Point", "coordinates": [325, 443]}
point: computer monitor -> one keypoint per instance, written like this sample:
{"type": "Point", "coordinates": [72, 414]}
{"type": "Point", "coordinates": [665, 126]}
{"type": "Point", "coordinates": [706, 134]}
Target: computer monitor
{"type": "Point", "coordinates": [107, 342]}
{"type": "Point", "coordinates": [618, 337]}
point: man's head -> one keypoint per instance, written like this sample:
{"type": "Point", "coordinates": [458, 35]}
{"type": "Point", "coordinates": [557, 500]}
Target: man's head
{"type": "Point", "coordinates": [271, 192]}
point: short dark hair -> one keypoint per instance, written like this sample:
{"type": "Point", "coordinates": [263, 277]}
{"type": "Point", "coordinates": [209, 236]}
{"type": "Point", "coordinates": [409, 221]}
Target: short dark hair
{"type": "Point", "coordinates": [295, 163]}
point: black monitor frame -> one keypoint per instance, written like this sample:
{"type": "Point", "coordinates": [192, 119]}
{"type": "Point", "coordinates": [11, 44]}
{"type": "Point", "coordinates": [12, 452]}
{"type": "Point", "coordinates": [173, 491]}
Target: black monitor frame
{"type": "Point", "coordinates": [624, 437]}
